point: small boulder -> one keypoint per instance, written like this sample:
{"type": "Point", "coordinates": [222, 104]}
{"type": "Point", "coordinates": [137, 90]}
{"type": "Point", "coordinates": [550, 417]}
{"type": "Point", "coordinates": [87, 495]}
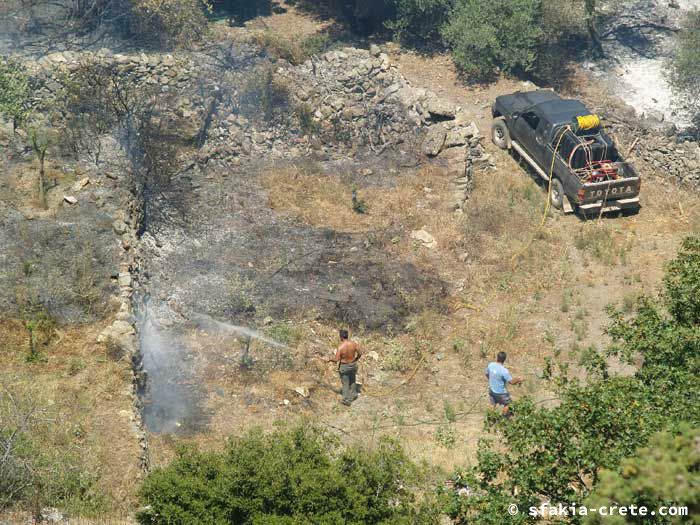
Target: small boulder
{"type": "Point", "coordinates": [434, 140]}
{"type": "Point", "coordinates": [302, 391]}
{"type": "Point", "coordinates": [51, 514]}
{"type": "Point", "coordinates": [79, 185]}
{"type": "Point", "coordinates": [440, 109]}
{"type": "Point", "coordinates": [120, 227]}
{"type": "Point", "coordinates": [424, 238]}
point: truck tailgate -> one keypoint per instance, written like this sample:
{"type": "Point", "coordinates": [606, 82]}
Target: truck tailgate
{"type": "Point", "coordinates": [595, 192]}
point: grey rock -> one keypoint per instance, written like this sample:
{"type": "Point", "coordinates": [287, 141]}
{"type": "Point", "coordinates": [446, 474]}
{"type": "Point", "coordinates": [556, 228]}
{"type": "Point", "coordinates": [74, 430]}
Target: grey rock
{"type": "Point", "coordinates": [51, 514]}
{"type": "Point", "coordinates": [440, 108]}
{"type": "Point", "coordinates": [120, 227]}
{"type": "Point", "coordinates": [424, 238]}
{"type": "Point", "coordinates": [434, 140]}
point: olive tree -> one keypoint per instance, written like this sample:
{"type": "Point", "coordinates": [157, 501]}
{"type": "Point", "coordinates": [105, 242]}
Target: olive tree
{"type": "Point", "coordinates": [665, 473]}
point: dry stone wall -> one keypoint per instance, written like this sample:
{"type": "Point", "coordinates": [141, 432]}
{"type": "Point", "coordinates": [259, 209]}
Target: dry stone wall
{"type": "Point", "coordinates": [655, 144]}
{"type": "Point", "coordinates": [365, 94]}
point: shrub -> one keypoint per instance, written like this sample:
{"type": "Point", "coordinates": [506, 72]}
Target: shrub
{"type": "Point", "coordinates": [305, 115]}
{"type": "Point", "coordinates": [169, 22]}
{"type": "Point", "coordinates": [265, 96]}
{"type": "Point", "coordinates": [501, 34]}
{"type": "Point", "coordinates": [682, 283]}
{"type": "Point", "coordinates": [38, 464]}
{"type": "Point", "coordinates": [315, 44]}
{"type": "Point", "coordinates": [293, 51]}
{"type": "Point", "coordinates": [14, 91]}
{"type": "Point", "coordinates": [419, 20]}
{"type": "Point", "coordinates": [279, 46]}
{"type": "Point", "coordinates": [289, 476]}
{"type": "Point", "coordinates": [667, 471]}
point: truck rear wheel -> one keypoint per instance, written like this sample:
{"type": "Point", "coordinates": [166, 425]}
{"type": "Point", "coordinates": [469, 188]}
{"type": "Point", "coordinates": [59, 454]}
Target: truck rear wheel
{"type": "Point", "coordinates": [557, 194]}
{"type": "Point", "coordinates": [499, 133]}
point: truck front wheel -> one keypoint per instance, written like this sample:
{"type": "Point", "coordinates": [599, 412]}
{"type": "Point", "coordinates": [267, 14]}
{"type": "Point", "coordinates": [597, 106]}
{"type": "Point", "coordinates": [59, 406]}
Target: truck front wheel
{"type": "Point", "coordinates": [499, 133]}
{"type": "Point", "coordinates": [557, 194]}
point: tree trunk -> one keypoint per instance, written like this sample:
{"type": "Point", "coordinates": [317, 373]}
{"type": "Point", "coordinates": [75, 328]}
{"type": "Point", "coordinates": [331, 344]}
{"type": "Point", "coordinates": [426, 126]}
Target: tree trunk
{"type": "Point", "coordinates": [42, 181]}
{"type": "Point", "coordinates": [592, 28]}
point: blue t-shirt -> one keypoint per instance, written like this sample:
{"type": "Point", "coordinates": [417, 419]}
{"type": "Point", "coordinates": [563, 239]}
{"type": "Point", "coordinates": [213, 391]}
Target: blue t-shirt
{"type": "Point", "coordinates": [499, 377]}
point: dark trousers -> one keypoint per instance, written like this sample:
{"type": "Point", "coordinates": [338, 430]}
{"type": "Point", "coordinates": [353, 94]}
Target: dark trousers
{"type": "Point", "coordinates": [347, 379]}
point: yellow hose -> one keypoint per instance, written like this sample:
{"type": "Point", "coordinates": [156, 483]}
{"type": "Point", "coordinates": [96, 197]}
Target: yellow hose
{"type": "Point", "coordinates": [516, 256]}
{"type": "Point", "coordinates": [587, 122]}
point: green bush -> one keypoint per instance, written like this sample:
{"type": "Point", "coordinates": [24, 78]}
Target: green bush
{"type": "Point", "coordinates": [500, 34]}
{"type": "Point", "coordinates": [682, 283]}
{"type": "Point", "coordinates": [667, 472]}
{"type": "Point", "coordinates": [169, 23]}
{"type": "Point", "coordinates": [419, 20]}
{"type": "Point", "coordinates": [291, 476]}
{"type": "Point", "coordinates": [265, 96]}
{"type": "Point", "coordinates": [41, 463]}
{"type": "Point", "coordinates": [14, 91]}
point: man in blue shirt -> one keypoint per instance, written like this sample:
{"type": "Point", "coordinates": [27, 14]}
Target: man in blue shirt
{"type": "Point", "coordinates": [499, 376]}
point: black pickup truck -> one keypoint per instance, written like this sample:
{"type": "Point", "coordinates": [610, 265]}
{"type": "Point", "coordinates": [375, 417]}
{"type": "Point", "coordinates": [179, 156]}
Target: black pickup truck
{"type": "Point", "coordinates": [589, 176]}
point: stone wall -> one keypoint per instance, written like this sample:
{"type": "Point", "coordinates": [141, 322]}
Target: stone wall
{"type": "Point", "coordinates": [365, 94]}
{"type": "Point", "coordinates": [651, 143]}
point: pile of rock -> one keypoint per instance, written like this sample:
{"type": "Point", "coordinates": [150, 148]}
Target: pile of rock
{"type": "Point", "coordinates": [121, 334]}
{"type": "Point", "coordinates": [655, 144]}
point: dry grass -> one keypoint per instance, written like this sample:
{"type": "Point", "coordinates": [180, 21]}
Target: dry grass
{"type": "Point", "coordinates": [325, 200]}
{"type": "Point", "coordinates": [92, 393]}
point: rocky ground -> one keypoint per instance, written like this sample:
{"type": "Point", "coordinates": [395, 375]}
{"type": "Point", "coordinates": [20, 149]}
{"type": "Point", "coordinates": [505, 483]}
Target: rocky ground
{"type": "Point", "coordinates": [638, 41]}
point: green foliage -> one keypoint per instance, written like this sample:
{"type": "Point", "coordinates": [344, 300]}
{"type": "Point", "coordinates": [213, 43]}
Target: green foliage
{"type": "Point", "coordinates": [682, 283]}
{"type": "Point", "coordinates": [599, 242]}
{"type": "Point", "coordinates": [665, 473]}
{"type": "Point", "coordinates": [315, 44]}
{"type": "Point", "coordinates": [358, 204]}
{"type": "Point", "coordinates": [501, 34]}
{"type": "Point", "coordinates": [558, 454]}
{"type": "Point", "coordinates": [14, 90]}
{"type": "Point", "coordinates": [445, 436]}
{"type": "Point", "coordinates": [37, 321]}
{"type": "Point", "coordinates": [396, 358]}
{"type": "Point", "coordinates": [685, 62]}
{"type": "Point", "coordinates": [286, 477]}
{"type": "Point", "coordinates": [419, 20]}
{"type": "Point", "coordinates": [286, 333]}
{"type": "Point", "coordinates": [293, 51]}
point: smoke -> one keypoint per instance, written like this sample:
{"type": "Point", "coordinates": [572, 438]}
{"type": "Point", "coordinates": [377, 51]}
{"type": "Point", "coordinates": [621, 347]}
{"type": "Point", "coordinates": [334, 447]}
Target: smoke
{"type": "Point", "coordinates": [173, 397]}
